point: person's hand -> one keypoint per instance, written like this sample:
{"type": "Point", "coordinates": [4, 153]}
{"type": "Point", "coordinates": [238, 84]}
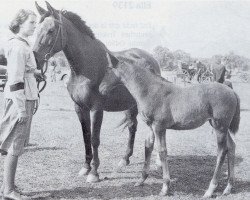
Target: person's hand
{"type": "Point", "coordinates": [39, 77]}
{"type": "Point", "coordinates": [22, 117]}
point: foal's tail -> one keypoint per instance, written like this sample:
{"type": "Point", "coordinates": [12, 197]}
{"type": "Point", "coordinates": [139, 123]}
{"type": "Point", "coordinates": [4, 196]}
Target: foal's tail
{"type": "Point", "coordinates": [234, 126]}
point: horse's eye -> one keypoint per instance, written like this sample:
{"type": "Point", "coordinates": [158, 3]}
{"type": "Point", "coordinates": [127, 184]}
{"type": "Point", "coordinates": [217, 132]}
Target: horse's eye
{"type": "Point", "coordinates": [50, 31]}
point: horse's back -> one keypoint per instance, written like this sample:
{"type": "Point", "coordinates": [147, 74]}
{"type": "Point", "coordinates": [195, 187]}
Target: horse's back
{"type": "Point", "coordinates": [193, 106]}
{"type": "Point", "coordinates": [221, 98]}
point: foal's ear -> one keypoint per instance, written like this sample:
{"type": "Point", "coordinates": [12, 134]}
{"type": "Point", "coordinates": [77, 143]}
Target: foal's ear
{"type": "Point", "coordinates": [52, 10]}
{"type": "Point", "coordinates": [114, 60]}
{"type": "Point", "coordinates": [40, 10]}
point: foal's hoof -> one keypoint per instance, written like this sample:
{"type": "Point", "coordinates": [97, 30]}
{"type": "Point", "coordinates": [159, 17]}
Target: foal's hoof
{"type": "Point", "coordinates": [163, 193]}
{"type": "Point", "coordinates": [210, 191]}
{"type": "Point", "coordinates": [92, 178]}
{"type": "Point", "coordinates": [123, 163]}
{"type": "Point", "coordinates": [84, 171]}
{"type": "Point", "coordinates": [208, 194]}
{"type": "Point", "coordinates": [140, 183]}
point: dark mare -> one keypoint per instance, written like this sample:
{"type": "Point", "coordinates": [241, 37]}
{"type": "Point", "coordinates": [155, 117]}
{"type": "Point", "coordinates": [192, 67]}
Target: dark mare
{"type": "Point", "coordinates": [92, 85]}
{"type": "Point", "coordinates": [164, 105]}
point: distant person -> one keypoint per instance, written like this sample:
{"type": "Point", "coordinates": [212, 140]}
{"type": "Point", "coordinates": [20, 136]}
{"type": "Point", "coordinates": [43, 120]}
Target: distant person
{"type": "Point", "coordinates": [53, 66]}
{"type": "Point", "coordinates": [3, 60]}
{"type": "Point", "coordinates": [200, 69]}
{"type": "Point", "coordinates": [219, 70]}
{"type": "Point", "coordinates": [20, 95]}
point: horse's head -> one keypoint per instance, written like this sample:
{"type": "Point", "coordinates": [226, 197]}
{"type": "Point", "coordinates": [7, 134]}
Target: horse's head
{"type": "Point", "coordinates": [51, 37]}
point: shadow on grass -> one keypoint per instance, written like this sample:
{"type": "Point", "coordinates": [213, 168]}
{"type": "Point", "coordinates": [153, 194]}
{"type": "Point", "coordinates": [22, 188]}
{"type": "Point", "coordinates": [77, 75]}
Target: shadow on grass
{"type": "Point", "coordinates": [191, 175]}
{"type": "Point", "coordinates": [33, 149]}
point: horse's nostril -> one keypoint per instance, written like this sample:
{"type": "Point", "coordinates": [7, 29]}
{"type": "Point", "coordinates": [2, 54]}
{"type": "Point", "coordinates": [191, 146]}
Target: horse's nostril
{"type": "Point", "coordinates": [42, 40]}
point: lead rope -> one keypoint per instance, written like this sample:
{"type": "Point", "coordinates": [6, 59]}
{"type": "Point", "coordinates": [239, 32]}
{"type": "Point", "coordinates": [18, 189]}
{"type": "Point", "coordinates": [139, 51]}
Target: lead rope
{"type": "Point", "coordinates": [37, 102]}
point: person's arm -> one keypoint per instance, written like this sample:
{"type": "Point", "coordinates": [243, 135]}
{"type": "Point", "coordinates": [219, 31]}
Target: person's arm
{"type": "Point", "coordinates": [16, 69]}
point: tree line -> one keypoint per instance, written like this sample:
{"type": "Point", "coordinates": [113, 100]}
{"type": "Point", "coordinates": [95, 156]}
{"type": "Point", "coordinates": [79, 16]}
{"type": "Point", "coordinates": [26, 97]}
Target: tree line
{"type": "Point", "coordinates": [168, 60]}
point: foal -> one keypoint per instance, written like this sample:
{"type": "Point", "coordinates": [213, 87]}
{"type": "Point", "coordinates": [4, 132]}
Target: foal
{"type": "Point", "coordinates": [164, 105]}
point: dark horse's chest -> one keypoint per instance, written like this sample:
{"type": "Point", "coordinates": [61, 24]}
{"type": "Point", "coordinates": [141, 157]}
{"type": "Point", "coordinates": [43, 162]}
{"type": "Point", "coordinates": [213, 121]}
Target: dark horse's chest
{"type": "Point", "coordinates": [105, 96]}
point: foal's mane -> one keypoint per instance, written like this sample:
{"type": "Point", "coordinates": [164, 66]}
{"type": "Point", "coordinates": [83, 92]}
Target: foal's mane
{"type": "Point", "coordinates": [144, 65]}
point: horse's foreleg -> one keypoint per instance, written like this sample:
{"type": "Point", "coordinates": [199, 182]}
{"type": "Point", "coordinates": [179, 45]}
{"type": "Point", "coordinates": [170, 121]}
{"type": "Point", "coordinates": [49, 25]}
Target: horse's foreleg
{"type": "Point", "coordinates": [231, 158]}
{"type": "Point", "coordinates": [149, 146]}
{"type": "Point", "coordinates": [132, 127]}
{"type": "Point", "coordinates": [84, 118]}
{"type": "Point", "coordinates": [222, 151]}
{"type": "Point", "coordinates": [160, 134]}
{"type": "Point", "coordinates": [96, 122]}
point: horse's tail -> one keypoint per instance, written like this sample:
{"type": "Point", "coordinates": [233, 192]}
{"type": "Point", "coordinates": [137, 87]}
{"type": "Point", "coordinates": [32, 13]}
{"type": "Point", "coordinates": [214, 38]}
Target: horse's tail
{"type": "Point", "coordinates": [129, 119]}
{"type": "Point", "coordinates": [124, 123]}
{"type": "Point", "coordinates": [234, 126]}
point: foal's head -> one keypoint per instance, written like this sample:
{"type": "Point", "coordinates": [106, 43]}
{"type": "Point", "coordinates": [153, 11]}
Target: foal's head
{"type": "Point", "coordinates": [126, 67]}
{"type": "Point", "coordinates": [51, 37]}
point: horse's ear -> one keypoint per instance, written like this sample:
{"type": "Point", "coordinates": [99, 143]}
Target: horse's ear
{"type": "Point", "coordinates": [40, 10]}
{"type": "Point", "coordinates": [52, 10]}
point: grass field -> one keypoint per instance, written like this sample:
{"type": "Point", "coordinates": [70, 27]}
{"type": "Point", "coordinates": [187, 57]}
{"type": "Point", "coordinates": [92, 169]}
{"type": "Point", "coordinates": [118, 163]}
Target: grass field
{"type": "Point", "coordinates": [49, 169]}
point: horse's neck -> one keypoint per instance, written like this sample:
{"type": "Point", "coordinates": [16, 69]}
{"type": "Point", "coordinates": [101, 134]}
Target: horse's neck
{"type": "Point", "coordinates": [82, 52]}
{"type": "Point", "coordinates": [138, 81]}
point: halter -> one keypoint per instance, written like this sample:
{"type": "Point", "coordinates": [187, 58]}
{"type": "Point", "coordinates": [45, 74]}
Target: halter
{"type": "Point", "coordinates": [48, 55]}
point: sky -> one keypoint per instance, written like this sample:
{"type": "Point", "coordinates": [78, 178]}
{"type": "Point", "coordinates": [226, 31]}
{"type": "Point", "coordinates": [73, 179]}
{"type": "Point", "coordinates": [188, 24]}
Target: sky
{"type": "Point", "coordinates": [201, 28]}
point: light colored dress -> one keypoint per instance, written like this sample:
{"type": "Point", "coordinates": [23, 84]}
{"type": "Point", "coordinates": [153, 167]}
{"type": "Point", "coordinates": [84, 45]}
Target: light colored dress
{"type": "Point", "coordinates": [20, 94]}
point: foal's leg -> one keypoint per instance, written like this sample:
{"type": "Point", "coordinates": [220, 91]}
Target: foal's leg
{"type": "Point", "coordinates": [96, 122]}
{"type": "Point", "coordinates": [231, 158]}
{"type": "Point", "coordinates": [132, 127]}
{"type": "Point", "coordinates": [221, 153]}
{"type": "Point", "coordinates": [84, 117]}
{"type": "Point", "coordinates": [149, 146]}
{"type": "Point", "coordinates": [160, 134]}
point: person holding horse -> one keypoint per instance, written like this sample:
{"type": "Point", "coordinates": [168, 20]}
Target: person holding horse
{"type": "Point", "coordinates": [21, 94]}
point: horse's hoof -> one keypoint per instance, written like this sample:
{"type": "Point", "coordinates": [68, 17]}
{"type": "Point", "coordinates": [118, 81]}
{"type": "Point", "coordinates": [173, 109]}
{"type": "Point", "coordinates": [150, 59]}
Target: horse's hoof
{"type": "Point", "coordinates": [92, 178]}
{"type": "Point", "coordinates": [123, 163]}
{"type": "Point", "coordinates": [227, 190]}
{"type": "Point", "coordinates": [84, 171]}
{"type": "Point", "coordinates": [140, 183]}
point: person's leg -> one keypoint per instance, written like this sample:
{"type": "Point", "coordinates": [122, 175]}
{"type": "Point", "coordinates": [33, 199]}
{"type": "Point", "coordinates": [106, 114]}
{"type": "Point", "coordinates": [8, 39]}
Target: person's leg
{"type": "Point", "coordinates": [10, 165]}
{"type": "Point", "coordinates": [30, 105]}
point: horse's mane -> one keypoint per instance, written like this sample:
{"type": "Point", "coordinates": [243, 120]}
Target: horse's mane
{"type": "Point", "coordinates": [78, 22]}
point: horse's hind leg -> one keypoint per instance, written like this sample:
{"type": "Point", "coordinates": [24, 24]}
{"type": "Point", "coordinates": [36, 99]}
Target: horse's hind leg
{"type": "Point", "coordinates": [131, 123]}
{"type": "Point", "coordinates": [149, 146]}
{"type": "Point", "coordinates": [84, 118]}
{"type": "Point", "coordinates": [231, 159]}
{"type": "Point", "coordinates": [221, 153]}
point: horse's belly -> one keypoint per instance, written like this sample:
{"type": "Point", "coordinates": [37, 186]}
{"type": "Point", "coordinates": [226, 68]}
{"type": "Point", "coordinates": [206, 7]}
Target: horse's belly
{"type": "Point", "coordinates": [187, 121]}
{"type": "Point", "coordinates": [118, 99]}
